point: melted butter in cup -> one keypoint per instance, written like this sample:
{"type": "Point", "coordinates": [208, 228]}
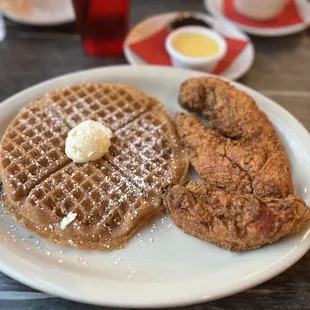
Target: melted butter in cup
{"type": "Point", "coordinates": [195, 47]}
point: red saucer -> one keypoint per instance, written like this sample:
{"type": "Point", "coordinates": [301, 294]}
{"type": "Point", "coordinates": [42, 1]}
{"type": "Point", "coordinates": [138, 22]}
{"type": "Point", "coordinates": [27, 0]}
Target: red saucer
{"type": "Point", "coordinates": [152, 50]}
{"type": "Point", "coordinates": [289, 16]}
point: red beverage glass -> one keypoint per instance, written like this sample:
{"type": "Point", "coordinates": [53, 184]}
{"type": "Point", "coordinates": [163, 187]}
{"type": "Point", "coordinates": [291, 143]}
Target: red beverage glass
{"type": "Point", "coordinates": [103, 25]}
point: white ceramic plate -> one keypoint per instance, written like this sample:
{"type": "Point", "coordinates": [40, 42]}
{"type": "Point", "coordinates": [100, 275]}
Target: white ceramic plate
{"type": "Point", "coordinates": [161, 266]}
{"type": "Point", "coordinates": [215, 7]}
{"type": "Point", "coordinates": [236, 70]}
{"type": "Point", "coordinates": [44, 13]}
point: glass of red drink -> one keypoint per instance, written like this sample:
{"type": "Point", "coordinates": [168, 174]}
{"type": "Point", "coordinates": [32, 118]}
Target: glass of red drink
{"type": "Point", "coordinates": [103, 25]}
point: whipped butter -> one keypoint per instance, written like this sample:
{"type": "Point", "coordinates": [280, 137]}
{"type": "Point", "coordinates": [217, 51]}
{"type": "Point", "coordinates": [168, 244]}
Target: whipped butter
{"type": "Point", "coordinates": [88, 141]}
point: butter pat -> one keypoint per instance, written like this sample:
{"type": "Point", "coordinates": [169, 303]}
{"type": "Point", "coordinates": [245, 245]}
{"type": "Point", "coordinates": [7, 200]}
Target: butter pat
{"type": "Point", "coordinates": [88, 141]}
{"type": "Point", "coordinates": [67, 220]}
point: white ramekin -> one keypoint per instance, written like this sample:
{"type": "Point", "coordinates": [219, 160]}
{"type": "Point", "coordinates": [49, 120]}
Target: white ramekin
{"type": "Point", "coordinates": [203, 64]}
{"type": "Point", "coordinates": [260, 9]}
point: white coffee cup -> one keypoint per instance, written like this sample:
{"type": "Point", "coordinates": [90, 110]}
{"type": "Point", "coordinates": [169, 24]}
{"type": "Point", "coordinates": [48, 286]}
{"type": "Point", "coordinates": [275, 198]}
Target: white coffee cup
{"type": "Point", "coordinates": [260, 9]}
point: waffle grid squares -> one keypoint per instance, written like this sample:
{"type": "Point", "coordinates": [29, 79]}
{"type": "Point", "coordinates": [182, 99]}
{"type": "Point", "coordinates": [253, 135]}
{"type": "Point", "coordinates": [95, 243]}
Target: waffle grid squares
{"type": "Point", "coordinates": [106, 104]}
{"type": "Point", "coordinates": [31, 154]}
{"type": "Point", "coordinates": [78, 191]}
{"type": "Point", "coordinates": [145, 166]}
{"type": "Point", "coordinates": [101, 193]}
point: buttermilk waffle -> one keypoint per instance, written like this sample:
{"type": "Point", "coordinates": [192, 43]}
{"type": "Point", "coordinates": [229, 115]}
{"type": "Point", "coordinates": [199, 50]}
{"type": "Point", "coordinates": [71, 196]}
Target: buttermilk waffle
{"type": "Point", "coordinates": [109, 198]}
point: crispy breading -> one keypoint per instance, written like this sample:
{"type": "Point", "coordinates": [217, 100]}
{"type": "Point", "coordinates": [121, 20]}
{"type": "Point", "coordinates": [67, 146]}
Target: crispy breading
{"type": "Point", "coordinates": [249, 140]}
{"type": "Point", "coordinates": [232, 220]}
{"type": "Point", "coordinates": [247, 197]}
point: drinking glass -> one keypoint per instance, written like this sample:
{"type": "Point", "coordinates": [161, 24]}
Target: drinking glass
{"type": "Point", "coordinates": [102, 24]}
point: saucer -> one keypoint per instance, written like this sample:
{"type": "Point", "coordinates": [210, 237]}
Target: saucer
{"type": "Point", "coordinates": [267, 29]}
{"type": "Point", "coordinates": [241, 64]}
{"type": "Point", "coordinates": [40, 13]}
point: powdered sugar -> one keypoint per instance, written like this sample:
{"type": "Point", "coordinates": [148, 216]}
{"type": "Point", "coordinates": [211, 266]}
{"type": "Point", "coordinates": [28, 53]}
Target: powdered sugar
{"type": "Point", "coordinates": [96, 195]}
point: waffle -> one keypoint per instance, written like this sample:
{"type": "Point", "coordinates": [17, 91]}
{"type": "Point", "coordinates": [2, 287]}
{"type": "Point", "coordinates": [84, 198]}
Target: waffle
{"type": "Point", "coordinates": [31, 149]}
{"type": "Point", "coordinates": [110, 198]}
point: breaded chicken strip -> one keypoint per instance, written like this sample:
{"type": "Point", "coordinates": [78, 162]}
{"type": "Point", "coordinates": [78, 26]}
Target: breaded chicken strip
{"type": "Point", "coordinates": [234, 165]}
{"type": "Point", "coordinates": [234, 221]}
{"type": "Point", "coordinates": [250, 140]}
{"type": "Point", "coordinates": [207, 153]}
{"type": "Point", "coordinates": [247, 197]}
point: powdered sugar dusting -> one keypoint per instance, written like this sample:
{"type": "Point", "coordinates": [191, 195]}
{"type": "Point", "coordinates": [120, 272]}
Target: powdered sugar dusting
{"type": "Point", "coordinates": [93, 198]}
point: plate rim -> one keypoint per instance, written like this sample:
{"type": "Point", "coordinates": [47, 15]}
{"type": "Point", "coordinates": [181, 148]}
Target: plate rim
{"type": "Point", "coordinates": [5, 264]}
{"type": "Point", "coordinates": [264, 32]}
{"type": "Point", "coordinates": [128, 52]}
{"type": "Point", "coordinates": [28, 20]}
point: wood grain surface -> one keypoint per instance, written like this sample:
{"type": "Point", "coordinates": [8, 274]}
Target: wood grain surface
{"type": "Point", "coordinates": [281, 71]}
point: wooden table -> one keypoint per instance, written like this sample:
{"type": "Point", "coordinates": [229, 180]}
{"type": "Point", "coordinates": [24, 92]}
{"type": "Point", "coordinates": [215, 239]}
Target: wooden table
{"type": "Point", "coordinates": [281, 71]}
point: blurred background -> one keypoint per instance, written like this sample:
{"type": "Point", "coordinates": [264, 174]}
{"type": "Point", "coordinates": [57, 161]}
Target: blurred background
{"type": "Point", "coordinates": [31, 54]}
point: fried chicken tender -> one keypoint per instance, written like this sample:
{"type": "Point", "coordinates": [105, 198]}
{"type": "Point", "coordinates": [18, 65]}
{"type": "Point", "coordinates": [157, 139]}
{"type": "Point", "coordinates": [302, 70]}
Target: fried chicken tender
{"type": "Point", "coordinates": [247, 197]}
{"type": "Point", "coordinates": [207, 153]}
{"type": "Point", "coordinates": [234, 221]}
{"type": "Point", "coordinates": [248, 138]}
{"type": "Point", "coordinates": [235, 165]}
